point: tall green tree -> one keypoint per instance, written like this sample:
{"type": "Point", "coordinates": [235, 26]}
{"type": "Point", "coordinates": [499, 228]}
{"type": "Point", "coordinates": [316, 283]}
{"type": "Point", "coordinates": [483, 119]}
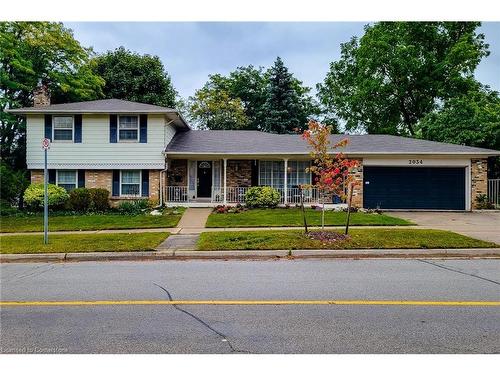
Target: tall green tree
{"type": "Point", "coordinates": [32, 53]}
{"type": "Point", "coordinates": [134, 77]}
{"type": "Point", "coordinates": [288, 105]}
{"type": "Point", "coordinates": [398, 72]}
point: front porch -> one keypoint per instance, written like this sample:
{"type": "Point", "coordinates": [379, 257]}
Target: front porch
{"type": "Point", "coordinates": [208, 183]}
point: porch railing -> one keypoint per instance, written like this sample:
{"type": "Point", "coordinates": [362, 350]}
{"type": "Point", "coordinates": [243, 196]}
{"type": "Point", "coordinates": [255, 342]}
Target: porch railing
{"type": "Point", "coordinates": [236, 194]}
{"type": "Point", "coordinates": [494, 192]}
{"type": "Point", "coordinates": [177, 194]}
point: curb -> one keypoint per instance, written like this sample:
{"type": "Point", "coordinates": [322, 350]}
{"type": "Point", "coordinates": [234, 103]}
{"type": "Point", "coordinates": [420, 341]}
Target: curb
{"type": "Point", "coordinates": [252, 254]}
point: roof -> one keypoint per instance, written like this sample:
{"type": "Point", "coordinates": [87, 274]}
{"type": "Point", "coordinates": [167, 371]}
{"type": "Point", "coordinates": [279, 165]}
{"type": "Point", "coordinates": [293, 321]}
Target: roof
{"type": "Point", "coordinates": [244, 142]}
{"type": "Point", "coordinates": [105, 106]}
{"type": "Point", "coordinates": [96, 106]}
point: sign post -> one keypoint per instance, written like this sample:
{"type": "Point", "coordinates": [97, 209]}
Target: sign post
{"type": "Point", "coordinates": [45, 147]}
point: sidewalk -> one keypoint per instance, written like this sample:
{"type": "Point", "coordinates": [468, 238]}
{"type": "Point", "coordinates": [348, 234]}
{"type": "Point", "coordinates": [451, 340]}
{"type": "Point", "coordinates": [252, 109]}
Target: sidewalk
{"type": "Point", "coordinates": [254, 254]}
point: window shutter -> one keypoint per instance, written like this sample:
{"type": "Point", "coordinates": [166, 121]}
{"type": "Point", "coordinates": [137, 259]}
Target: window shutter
{"type": "Point", "coordinates": [81, 178]}
{"type": "Point", "coordinates": [52, 176]}
{"type": "Point", "coordinates": [145, 182]}
{"type": "Point", "coordinates": [143, 135]}
{"type": "Point", "coordinates": [113, 120]}
{"type": "Point", "coordinates": [48, 126]}
{"type": "Point", "coordinates": [116, 183]}
{"type": "Point", "coordinates": [78, 128]}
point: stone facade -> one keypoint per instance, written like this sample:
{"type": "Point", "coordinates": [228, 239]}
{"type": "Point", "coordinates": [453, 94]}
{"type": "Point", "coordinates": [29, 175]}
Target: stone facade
{"type": "Point", "coordinates": [239, 173]}
{"type": "Point", "coordinates": [479, 179]}
{"type": "Point", "coordinates": [177, 173]}
{"type": "Point", "coordinates": [357, 193]}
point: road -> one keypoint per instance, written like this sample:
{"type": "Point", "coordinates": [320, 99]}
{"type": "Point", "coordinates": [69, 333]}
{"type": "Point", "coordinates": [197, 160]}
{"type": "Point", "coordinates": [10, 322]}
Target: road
{"type": "Point", "coordinates": [357, 327]}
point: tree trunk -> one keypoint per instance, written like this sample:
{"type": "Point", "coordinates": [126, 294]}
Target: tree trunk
{"type": "Point", "coordinates": [303, 209]}
{"type": "Point", "coordinates": [323, 212]}
{"type": "Point", "coordinates": [348, 210]}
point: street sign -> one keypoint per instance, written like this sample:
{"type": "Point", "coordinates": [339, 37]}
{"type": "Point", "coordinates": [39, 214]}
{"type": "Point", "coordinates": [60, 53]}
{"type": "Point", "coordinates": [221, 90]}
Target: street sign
{"type": "Point", "coordinates": [45, 144]}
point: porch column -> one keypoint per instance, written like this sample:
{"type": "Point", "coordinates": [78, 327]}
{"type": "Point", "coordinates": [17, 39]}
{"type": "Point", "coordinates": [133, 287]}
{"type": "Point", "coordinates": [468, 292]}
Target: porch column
{"type": "Point", "coordinates": [225, 175]}
{"type": "Point", "coordinates": [286, 181]}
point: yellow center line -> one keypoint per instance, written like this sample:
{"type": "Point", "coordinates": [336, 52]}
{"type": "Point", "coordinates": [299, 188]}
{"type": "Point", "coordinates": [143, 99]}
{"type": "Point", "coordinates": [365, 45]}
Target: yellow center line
{"type": "Point", "coordinates": [250, 302]}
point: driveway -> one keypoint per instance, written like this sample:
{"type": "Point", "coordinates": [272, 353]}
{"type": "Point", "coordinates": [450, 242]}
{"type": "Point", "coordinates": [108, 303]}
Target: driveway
{"type": "Point", "coordinates": [483, 225]}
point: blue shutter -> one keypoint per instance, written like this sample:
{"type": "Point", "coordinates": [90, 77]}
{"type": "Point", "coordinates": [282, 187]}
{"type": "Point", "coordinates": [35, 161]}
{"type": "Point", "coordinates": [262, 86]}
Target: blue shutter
{"type": "Point", "coordinates": [78, 128]}
{"type": "Point", "coordinates": [52, 176]}
{"type": "Point", "coordinates": [81, 178]}
{"type": "Point", "coordinates": [116, 183]}
{"type": "Point", "coordinates": [143, 135]}
{"type": "Point", "coordinates": [113, 128]}
{"type": "Point", "coordinates": [145, 182]}
{"type": "Point", "coordinates": [48, 126]}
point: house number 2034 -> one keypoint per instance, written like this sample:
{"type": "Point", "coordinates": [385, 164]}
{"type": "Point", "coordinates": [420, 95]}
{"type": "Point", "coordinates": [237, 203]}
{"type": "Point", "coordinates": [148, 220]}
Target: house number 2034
{"type": "Point", "coordinates": [415, 161]}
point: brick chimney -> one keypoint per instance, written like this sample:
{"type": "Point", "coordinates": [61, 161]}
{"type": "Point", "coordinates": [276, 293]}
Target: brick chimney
{"type": "Point", "coordinates": [41, 96]}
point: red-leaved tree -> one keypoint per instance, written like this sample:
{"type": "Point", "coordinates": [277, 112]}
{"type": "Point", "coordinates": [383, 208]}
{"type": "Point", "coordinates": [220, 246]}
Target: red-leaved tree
{"type": "Point", "coordinates": [332, 170]}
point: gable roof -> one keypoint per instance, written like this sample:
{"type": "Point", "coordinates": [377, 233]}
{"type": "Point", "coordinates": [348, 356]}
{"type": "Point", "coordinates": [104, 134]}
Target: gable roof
{"type": "Point", "coordinates": [96, 106]}
{"type": "Point", "coordinates": [105, 106]}
{"type": "Point", "coordinates": [244, 142]}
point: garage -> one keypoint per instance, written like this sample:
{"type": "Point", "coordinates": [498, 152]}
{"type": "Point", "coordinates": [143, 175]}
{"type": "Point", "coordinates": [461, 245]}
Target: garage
{"type": "Point", "coordinates": [434, 188]}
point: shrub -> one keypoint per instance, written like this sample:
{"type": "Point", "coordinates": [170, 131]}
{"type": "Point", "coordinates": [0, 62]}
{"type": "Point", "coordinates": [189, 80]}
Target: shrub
{"type": "Point", "coordinates": [482, 202]}
{"type": "Point", "coordinates": [7, 210]}
{"type": "Point", "coordinates": [99, 200]}
{"type": "Point", "coordinates": [80, 200]}
{"type": "Point", "coordinates": [133, 207]}
{"type": "Point", "coordinates": [262, 196]}
{"type": "Point", "coordinates": [12, 184]}
{"type": "Point", "coordinates": [33, 196]}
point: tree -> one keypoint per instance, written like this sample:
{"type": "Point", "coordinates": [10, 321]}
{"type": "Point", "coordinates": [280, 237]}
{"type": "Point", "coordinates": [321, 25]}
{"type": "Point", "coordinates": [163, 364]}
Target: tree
{"type": "Point", "coordinates": [398, 72]}
{"type": "Point", "coordinates": [214, 109]}
{"type": "Point", "coordinates": [32, 53]}
{"type": "Point", "coordinates": [287, 103]}
{"type": "Point", "coordinates": [333, 172]}
{"type": "Point", "coordinates": [134, 77]}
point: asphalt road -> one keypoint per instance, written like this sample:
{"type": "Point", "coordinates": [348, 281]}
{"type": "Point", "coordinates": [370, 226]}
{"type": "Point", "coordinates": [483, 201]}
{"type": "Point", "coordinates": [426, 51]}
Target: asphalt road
{"type": "Point", "coordinates": [288, 328]}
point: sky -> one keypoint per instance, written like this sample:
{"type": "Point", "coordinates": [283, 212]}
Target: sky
{"type": "Point", "coordinates": [190, 51]}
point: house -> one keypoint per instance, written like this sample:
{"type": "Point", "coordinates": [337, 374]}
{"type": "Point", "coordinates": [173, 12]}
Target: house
{"type": "Point", "coordinates": [141, 150]}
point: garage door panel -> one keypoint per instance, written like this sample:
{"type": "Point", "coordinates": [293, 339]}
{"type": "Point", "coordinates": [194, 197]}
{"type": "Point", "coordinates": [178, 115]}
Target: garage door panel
{"type": "Point", "coordinates": [414, 188]}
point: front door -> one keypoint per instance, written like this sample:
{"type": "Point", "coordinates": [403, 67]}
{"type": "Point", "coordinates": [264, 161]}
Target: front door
{"type": "Point", "coordinates": [204, 187]}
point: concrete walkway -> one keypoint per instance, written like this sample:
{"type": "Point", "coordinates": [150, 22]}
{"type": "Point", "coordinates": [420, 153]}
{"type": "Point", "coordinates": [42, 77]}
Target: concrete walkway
{"type": "Point", "coordinates": [194, 218]}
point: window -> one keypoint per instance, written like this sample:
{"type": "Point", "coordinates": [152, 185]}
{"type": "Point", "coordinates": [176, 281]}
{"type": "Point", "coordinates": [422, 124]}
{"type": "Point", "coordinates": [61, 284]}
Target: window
{"type": "Point", "coordinates": [62, 128]}
{"type": "Point", "coordinates": [296, 174]}
{"type": "Point", "coordinates": [271, 173]}
{"type": "Point", "coordinates": [130, 183]}
{"type": "Point", "coordinates": [128, 129]}
{"type": "Point", "coordinates": [66, 179]}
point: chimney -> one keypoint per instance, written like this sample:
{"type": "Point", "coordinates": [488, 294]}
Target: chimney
{"type": "Point", "coordinates": [41, 95]}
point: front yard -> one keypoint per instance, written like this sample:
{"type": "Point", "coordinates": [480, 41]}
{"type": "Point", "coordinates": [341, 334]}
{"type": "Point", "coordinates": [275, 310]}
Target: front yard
{"type": "Point", "coordinates": [359, 239]}
{"type": "Point", "coordinates": [75, 243]}
{"type": "Point", "coordinates": [89, 222]}
{"type": "Point", "coordinates": [292, 217]}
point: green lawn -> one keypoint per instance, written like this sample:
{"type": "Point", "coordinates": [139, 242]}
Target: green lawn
{"type": "Point", "coordinates": [75, 243]}
{"type": "Point", "coordinates": [360, 239]}
{"type": "Point", "coordinates": [292, 217]}
{"type": "Point", "coordinates": [88, 222]}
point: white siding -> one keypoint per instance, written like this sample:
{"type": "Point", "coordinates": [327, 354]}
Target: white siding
{"type": "Point", "coordinates": [95, 151]}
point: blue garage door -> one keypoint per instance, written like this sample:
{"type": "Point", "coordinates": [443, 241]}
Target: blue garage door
{"type": "Point", "coordinates": [414, 188]}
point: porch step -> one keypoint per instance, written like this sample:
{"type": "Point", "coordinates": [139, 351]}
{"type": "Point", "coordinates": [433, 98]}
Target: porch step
{"type": "Point", "coordinates": [194, 217]}
{"type": "Point", "coordinates": [179, 242]}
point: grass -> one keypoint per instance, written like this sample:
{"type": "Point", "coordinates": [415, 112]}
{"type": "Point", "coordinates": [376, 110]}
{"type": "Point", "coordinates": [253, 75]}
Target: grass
{"type": "Point", "coordinates": [292, 217]}
{"type": "Point", "coordinates": [88, 222]}
{"type": "Point", "coordinates": [75, 243]}
{"type": "Point", "coordinates": [359, 239]}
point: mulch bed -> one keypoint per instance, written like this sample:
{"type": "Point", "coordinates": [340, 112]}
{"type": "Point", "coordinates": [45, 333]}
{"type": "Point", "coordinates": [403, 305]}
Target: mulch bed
{"type": "Point", "coordinates": [327, 236]}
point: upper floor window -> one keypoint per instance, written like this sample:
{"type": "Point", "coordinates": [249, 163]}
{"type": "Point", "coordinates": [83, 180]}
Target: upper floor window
{"type": "Point", "coordinates": [63, 128]}
{"type": "Point", "coordinates": [66, 179]}
{"type": "Point", "coordinates": [128, 128]}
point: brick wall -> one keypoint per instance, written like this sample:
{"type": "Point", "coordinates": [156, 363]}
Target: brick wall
{"type": "Point", "coordinates": [479, 179]}
{"type": "Point", "coordinates": [239, 173]}
{"type": "Point", "coordinates": [102, 179]}
{"type": "Point", "coordinates": [177, 172]}
{"type": "Point", "coordinates": [36, 176]}
{"type": "Point", "coordinates": [154, 185]}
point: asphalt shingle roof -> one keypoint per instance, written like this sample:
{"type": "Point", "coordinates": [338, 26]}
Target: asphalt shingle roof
{"type": "Point", "coordinates": [255, 142]}
{"type": "Point", "coordinates": [97, 106]}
